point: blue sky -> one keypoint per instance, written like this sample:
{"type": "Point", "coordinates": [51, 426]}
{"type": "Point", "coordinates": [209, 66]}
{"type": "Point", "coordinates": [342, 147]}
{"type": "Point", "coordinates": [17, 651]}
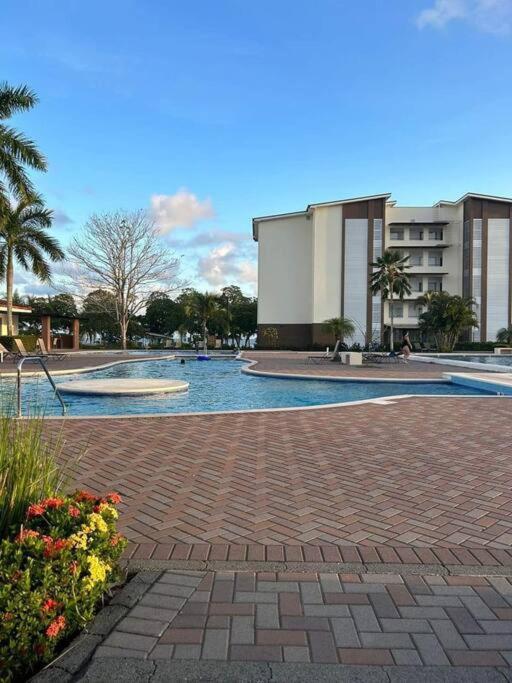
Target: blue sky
{"type": "Point", "coordinates": [209, 113]}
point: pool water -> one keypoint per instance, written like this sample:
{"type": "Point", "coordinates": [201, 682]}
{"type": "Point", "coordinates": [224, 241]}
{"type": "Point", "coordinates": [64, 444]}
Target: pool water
{"type": "Point", "coordinates": [491, 359]}
{"type": "Point", "coordinates": [214, 386]}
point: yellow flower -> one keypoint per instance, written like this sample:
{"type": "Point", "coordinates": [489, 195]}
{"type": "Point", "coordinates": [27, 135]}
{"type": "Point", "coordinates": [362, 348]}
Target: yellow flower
{"type": "Point", "coordinates": [109, 512]}
{"type": "Point", "coordinates": [97, 569]}
{"type": "Point", "coordinates": [79, 540]}
{"type": "Point", "coordinates": [97, 523]}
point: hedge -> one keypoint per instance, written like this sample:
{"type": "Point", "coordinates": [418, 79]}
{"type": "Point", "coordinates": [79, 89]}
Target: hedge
{"type": "Point", "coordinates": [53, 574]}
{"type": "Point", "coordinates": [29, 341]}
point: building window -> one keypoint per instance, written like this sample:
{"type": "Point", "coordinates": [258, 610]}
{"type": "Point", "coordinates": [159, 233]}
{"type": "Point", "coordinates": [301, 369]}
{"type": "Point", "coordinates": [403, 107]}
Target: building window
{"type": "Point", "coordinates": [435, 234]}
{"type": "Point", "coordinates": [415, 311]}
{"type": "Point", "coordinates": [435, 284]}
{"type": "Point", "coordinates": [396, 234]}
{"type": "Point", "coordinates": [398, 309]}
{"type": "Point", "coordinates": [435, 259]}
{"type": "Point", "coordinates": [415, 234]}
{"type": "Point", "coordinates": [416, 259]}
{"type": "Point", "coordinates": [417, 285]}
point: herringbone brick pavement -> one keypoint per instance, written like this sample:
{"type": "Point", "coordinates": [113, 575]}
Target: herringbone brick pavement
{"type": "Point", "coordinates": [423, 472]}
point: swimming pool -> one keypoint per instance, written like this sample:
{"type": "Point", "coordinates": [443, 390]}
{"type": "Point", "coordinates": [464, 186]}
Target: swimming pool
{"type": "Point", "coordinates": [486, 359]}
{"type": "Point", "coordinates": [215, 386]}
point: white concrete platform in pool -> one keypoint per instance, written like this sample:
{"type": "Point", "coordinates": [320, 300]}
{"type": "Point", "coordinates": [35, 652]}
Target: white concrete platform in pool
{"type": "Point", "coordinates": [123, 387]}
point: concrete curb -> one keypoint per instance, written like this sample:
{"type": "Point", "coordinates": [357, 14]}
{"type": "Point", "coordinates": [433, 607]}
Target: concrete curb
{"type": "Point", "coordinates": [133, 565]}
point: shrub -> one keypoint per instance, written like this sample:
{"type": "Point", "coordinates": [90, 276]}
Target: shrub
{"type": "Point", "coordinates": [29, 341]}
{"type": "Point", "coordinates": [28, 468]}
{"type": "Point", "coordinates": [477, 346]}
{"type": "Point", "coordinates": [53, 574]}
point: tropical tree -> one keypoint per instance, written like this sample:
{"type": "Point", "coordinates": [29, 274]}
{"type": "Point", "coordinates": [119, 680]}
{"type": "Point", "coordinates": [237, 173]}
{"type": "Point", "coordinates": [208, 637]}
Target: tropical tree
{"type": "Point", "coordinates": [23, 238]}
{"type": "Point", "coordinates": [204, 308]}
{"type": "Point", "coordinates": [16, 151]}
{"type": "Point", "coordinates": [244, 319]}
{"type": "Point", "coordinates": [446, 317]}
{"type": "Point", "coordinates": [163, 315]}
{"type": "Point", "coordinates": [504, 335]}
{"type": "Point", "coordinates": [390, 277]}
{"type": "Point", "coordinates": [339, 328]}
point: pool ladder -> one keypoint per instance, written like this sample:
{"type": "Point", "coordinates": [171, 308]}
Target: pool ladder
{"type": "Point", "coordinates": [42, 362]}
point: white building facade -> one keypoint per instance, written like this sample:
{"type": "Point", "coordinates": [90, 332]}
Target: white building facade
{"type": "Point", "coordinates": [315, 264]}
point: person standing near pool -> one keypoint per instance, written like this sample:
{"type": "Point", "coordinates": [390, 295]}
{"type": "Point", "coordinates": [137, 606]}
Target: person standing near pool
{"type": "Point", "coordinates": [406, 346]}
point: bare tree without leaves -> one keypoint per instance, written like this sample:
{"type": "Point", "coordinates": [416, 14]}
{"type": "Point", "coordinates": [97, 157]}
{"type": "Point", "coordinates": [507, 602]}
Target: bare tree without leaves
{"type": "Point", "coordinates": [122, 253]}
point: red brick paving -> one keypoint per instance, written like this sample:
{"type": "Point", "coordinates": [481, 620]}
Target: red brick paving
{"type": "Point", "coordinates": [421, 473]}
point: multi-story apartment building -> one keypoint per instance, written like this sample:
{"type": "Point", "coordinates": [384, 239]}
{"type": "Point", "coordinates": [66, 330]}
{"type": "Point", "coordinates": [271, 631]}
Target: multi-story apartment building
{"type": "Point", "coordinates": [315, 264]}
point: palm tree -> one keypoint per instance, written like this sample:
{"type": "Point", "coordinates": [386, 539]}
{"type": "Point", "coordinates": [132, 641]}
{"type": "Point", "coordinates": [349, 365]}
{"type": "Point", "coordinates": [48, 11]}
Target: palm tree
{"type": "Point", "coordinates": [390, 277]}
{"type": "Point", "coordinates": [339, 328]}
{"type": "Point", "coordinates": [203, 308]}
{"type": "Point", "coordinates": [504, 335]}
{"type": "Point", "coordinates": [16, 151]}
{"type": "Point", "coordinates": [446, 317]}
{"type": "Point", "coordinates": [23, 238]}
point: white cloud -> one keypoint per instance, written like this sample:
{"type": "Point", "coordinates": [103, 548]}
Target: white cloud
{"type": "Point", "coordinates": [492, 16]}
{"type": "Point", "coordinates": [226, 264]}
{"type": "Point", "coordinates": [180, 210]}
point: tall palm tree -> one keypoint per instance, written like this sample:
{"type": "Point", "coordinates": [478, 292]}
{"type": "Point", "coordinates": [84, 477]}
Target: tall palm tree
{"type": "Point", "coordinates": [16, 151]}
{"type": "Point", "coordinates": [23, 238]}
{"type": "Point", "coordinates": [204, 308]}
{"type": "Point", "coordinates": [339, 328]}
{"type": "Point", "coordinates": [390, 277]}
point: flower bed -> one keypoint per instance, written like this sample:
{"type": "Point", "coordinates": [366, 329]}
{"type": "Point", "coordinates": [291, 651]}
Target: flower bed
{"type": "Point", "coordinates": [53, 575]}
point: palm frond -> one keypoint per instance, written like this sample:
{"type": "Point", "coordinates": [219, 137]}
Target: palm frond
{"type": "Point", "coordinates": [15, 99]}
{"type": "Point", "coordinates": [21, 148]}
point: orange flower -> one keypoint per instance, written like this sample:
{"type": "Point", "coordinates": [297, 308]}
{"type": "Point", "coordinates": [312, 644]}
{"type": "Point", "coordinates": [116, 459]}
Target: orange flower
{"type": "Point", "coordinates": [115, 539]}
{"type": "Point", "coordinates": [113, 497]}
{"type": "Point", "coordinates": [84, 496]}
{"type": "Point", "coordinates": [7, 616]}
{"type": "Point", "coordinates": [49, 605]}
{"type": "Point", "coordinates": [35, 510]}
{"type": "Point", "coordinates": [54, 547]}
{"type": "Point", "coordinates": [73, 511]}
{"type": "Point", "coordinates": [52, 503]}
{"type": "Point", "coordinates": [26, 533]}
{"type": "Point", "coordinates": [56, 626]}
{"type": "Point", "coordinates": [73, 567]}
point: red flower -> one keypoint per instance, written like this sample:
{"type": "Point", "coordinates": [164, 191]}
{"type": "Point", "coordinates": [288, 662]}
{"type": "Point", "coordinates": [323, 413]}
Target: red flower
{"type": "Point", "coordinates": [84, 496]}
{"type": "Point", "coordinates": [96, 508]}
{"type": "Point", "coordinates": [49, 605]}
{"type": "Point", "coordinates": [56, 626]}
{"type": "Point", "coordinates": [54, 547]}
{"type": "Point", "coordinates": [26, 533]}
{"type": "Point", "coordinates": [52, 503]}
{"type": "Point", "coordinates": [73, 511]}
{"type": "Point", "coordinates": [39, 649]}
{"type": "Point", "coordinates": [113, 497]}
{"type": "Point", "coordinates": [35, 510]}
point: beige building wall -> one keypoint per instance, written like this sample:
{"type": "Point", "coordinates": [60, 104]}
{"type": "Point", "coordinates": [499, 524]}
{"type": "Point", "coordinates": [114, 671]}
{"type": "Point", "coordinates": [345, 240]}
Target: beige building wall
{"type": "Point", "coordinates": [327, 249]}
{"type": "Point", "coordinates": [285, 271]}
{"type": "Point", "coordinates": [3, 323]}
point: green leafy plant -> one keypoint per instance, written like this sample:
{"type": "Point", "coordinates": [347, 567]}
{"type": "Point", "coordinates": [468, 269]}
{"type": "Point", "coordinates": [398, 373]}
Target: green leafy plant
{"type": "Point", "coordinates": [446, 318]}
{"type": "Point", "coordinates": [28, 468]}
{"type": "Point", "coordinates": [339, 328]}
{"type": "Point", "coordinates": [53, 574]}
{"type": "Point", "coordinates": [504, 335]}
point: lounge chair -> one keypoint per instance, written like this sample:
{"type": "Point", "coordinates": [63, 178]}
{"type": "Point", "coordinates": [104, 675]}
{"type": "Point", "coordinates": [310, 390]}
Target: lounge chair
{"type": "Point", "coordinates": [43, 351]}
{"type": "Point", "coordinates": [8, 355]}
{"type": "Point", "coordinates": [327, 355]}
{"type": "Point", "coordinates": [391, 357]}
{"type": "Point", "coordinates": [22, 351]}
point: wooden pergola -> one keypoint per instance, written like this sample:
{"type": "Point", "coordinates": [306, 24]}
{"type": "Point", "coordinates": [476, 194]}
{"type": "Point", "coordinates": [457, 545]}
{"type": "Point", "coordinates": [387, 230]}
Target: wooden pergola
{"type": "Point", "coordinates": [46, 332]}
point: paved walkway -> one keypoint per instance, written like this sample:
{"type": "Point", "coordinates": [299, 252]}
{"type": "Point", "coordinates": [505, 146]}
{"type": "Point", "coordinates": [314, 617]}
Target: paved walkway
{"type": "Point", "coordinates": [184, 625]}
{"type": "Point", "coordinates": [298, 363]}
{"type": "Point", "coordinates": [421, 472]}
{"type": "Point", "coordinates": [362, 543]}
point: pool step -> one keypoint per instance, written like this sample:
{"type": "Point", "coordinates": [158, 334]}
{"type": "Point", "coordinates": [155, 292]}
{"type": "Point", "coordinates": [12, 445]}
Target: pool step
{"type": "Point", "coordinates": [499, 384]}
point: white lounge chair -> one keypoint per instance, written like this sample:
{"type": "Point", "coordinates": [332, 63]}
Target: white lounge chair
{"type": "Point", "coordinates": [328, 356]}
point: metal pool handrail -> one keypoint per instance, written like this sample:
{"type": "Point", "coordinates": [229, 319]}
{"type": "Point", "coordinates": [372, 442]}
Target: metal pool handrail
{"type": "Point", "coordinates": [42, 362]}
